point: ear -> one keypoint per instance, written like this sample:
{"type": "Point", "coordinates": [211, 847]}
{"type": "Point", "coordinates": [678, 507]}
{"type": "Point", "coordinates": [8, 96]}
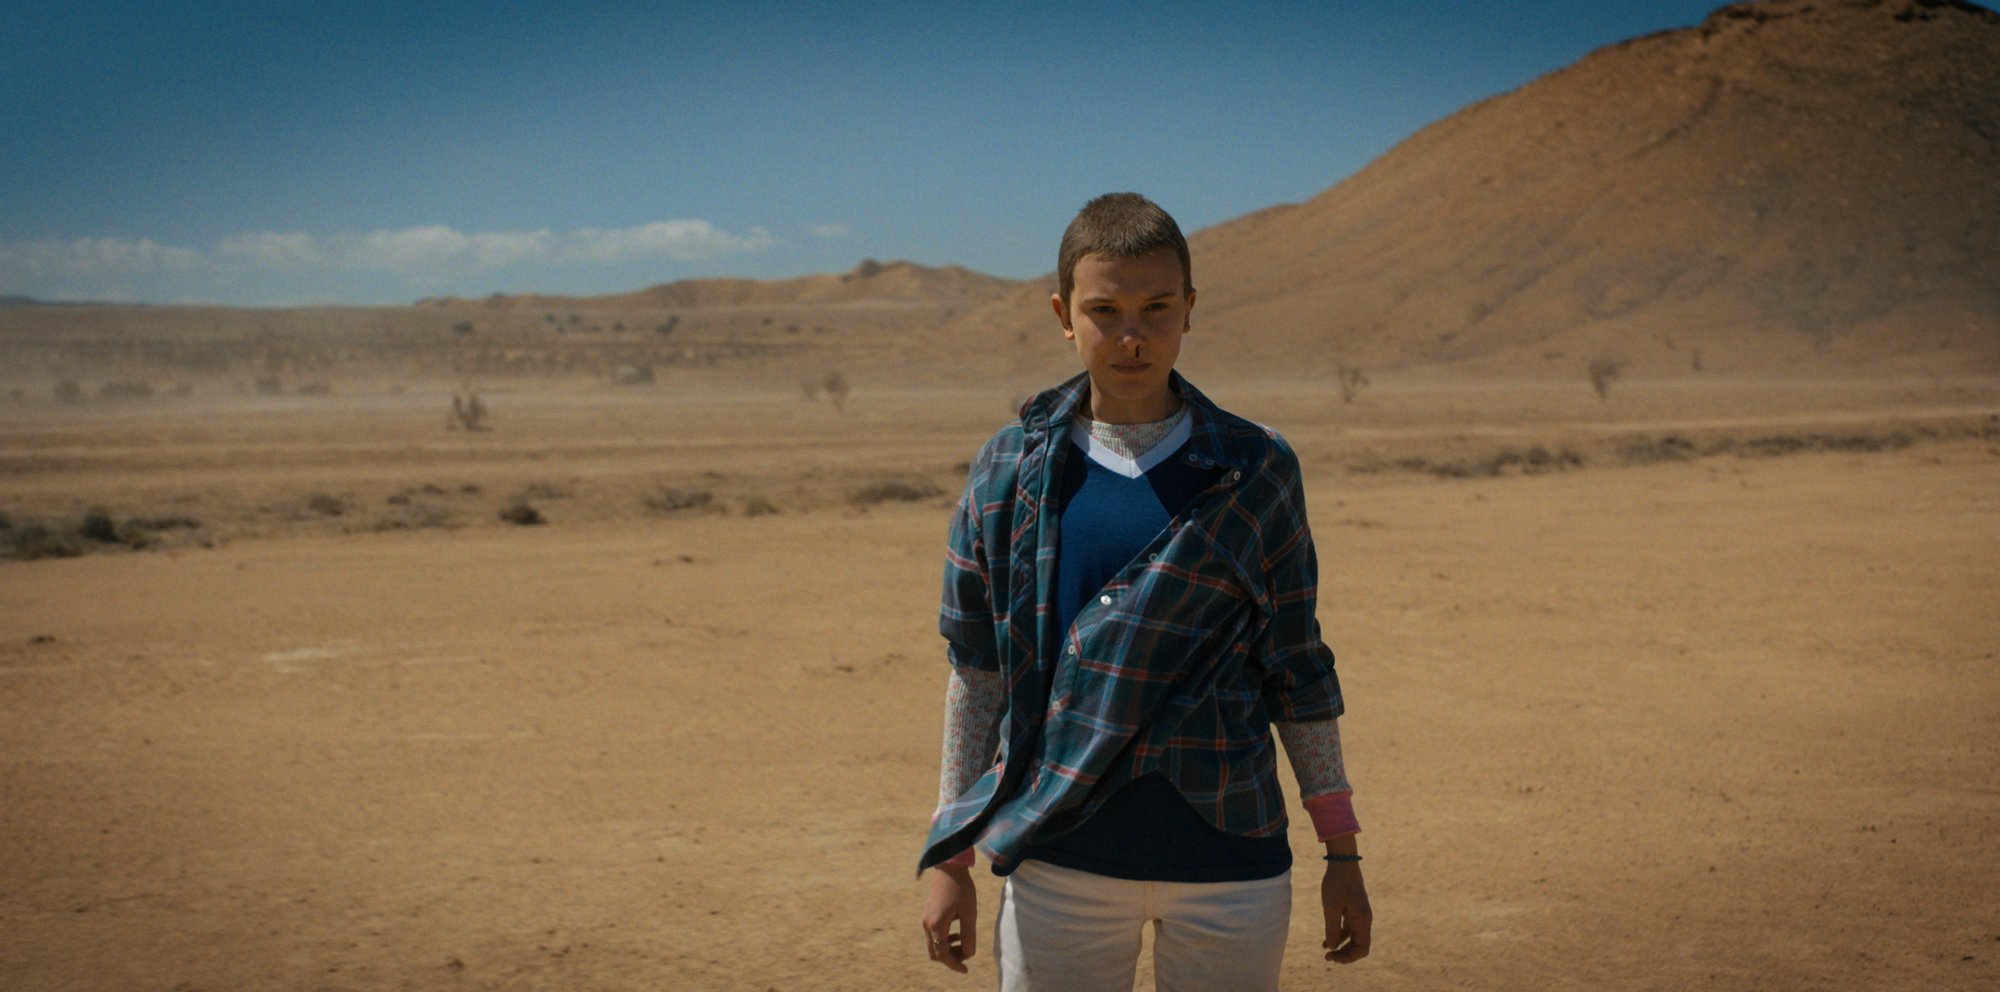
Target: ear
{"type": "Point", "coordinates": [1062, 314]}
{"type": "Point", "coordinates": [1187, 316]}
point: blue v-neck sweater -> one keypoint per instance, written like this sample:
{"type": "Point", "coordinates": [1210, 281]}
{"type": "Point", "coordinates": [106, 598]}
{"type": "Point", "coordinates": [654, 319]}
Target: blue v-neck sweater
{"type": "Point", "coordinates": [1146, 830]}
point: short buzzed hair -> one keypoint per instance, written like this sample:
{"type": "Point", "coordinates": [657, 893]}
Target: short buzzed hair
{"type": "Point", "coordinates": [1121, 225]}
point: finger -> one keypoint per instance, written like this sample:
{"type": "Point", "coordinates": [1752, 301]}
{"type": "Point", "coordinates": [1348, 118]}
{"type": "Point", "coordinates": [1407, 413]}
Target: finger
{"type": "Point", "coordinates": [968, 933]}
{"type": "Point", "coordinates": [1359, 928]}
{"type": "Point", "coordinates": [949, 954]}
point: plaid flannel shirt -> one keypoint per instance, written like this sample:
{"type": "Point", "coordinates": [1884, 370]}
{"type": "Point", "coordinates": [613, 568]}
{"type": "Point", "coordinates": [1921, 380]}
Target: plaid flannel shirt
{"type": "Point", "coordinates": [1178, 665]}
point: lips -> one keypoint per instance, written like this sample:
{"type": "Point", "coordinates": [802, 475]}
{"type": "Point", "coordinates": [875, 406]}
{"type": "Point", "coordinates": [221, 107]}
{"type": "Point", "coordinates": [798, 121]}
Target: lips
{"type": "Point", "coordinates": [1133, 367]}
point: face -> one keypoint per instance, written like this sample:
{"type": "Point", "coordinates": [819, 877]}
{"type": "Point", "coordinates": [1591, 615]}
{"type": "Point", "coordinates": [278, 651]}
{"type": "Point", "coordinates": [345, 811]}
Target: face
{"type": "Point", "coordinates": [1126, 316]}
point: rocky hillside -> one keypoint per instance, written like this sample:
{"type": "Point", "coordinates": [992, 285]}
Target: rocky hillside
{"type": "Point", "coordinates": [1789, 184]}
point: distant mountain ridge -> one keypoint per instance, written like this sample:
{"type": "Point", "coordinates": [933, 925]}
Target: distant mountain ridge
{"type": "Point", "coordinates": [870, 283]}
{"type": "Point", "coordinates": [1787, 183]}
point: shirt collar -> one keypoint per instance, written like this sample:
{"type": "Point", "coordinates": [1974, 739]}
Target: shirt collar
{"type": "Point", "coordinates": [1211, 441]}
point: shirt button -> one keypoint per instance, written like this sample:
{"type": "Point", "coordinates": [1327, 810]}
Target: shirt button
{"type": "Point", "coordinates": [1106, 600]}
{"type": "Point", "coordinates": [1234, 475]}
{"type": "Point", "coordinates": [1153, 557]}
{"type": "Point", "coordinates": [1072, 649]}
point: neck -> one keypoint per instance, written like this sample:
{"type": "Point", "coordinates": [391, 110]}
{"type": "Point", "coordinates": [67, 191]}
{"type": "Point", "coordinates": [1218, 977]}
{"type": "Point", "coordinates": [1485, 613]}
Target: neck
{"type": "Point", "coordinates": [1111, 410]}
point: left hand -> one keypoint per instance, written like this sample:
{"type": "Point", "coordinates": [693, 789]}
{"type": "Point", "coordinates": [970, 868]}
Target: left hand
{"type": "Point", "coordinates": [1349, 921]}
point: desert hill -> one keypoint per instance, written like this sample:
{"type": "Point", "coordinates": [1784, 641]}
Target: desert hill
{"type": "Point", "coordinates": [1788, 184]}
{"type": "Point", "coordinates": [870, 283]}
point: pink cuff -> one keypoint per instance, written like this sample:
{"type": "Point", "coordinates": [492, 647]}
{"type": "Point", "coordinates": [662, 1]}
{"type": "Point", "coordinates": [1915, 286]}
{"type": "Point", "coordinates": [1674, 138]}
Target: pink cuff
{"type": "Point", "coordinates": [1333, 815]}
{"type": "Point", "coordinates": [961, 858]}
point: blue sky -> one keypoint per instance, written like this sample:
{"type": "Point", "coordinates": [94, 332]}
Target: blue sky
{"type": "Point", "coordinates": [358, 152]}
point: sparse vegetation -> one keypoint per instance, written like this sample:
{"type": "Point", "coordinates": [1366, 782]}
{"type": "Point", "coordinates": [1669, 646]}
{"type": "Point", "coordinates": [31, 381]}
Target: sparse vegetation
{"type": "Point", "coordinates": [410, 516]}
{"type": "Point", "coordinates": [758, 506]}
{"type": "Point", "coordinates": [468, 412]}
{"type": "Point", "coordinates": [895, 490]}
{"type": "Point", "coordinates": [1601, 372]}
{"type": "Point", "coordinates": [96, 529]}
{"type": "Point", "coordinates": [1351, 380]}
{"type": "Point", "coordinates": [325, 504]}
{"type": "Point", "coordinates": [521, 512]}
{"type": "Point", "coordinates": [462, 328]}
{"type": "Point", "coordinates": [69, 391]}
{"type": "Point", "coordinates": [1528, 461]}
{"type": "Point", "coordinates": [835, 386]}
{"type": "Point", "coordinates": [671, 500]}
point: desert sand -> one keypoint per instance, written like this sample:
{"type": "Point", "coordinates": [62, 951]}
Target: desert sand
{"type": "Point", "coordinates": [1724, 721]}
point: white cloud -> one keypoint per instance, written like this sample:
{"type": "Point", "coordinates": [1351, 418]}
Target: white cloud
{"type": "Point", "coordinates": [270, 249]}
{"type": "Point", "coordinates": [681, 240]}
{"type": "Point", "coordinates": [829, 231]}
{"type": "Point", "coordinates": [92, 256]}
{"type": "Point", "coordinates": [418, 253]}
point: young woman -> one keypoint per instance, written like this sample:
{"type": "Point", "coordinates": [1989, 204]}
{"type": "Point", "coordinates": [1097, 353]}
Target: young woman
{"type": "Point", "coordinates": [1128, 611]}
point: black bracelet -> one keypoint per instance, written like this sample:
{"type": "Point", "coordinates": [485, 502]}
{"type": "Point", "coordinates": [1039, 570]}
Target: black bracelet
{"type": "Point", "coordinates": [1344, 858]}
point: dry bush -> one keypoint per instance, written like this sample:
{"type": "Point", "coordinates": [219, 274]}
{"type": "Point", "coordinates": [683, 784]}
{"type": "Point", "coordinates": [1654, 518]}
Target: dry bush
{"type": "Point", "coordinates": [667, 499]}
{"type": "Point", "coordinates": [758, 506]}
{"type": "Point", "coordinates": [317, 387]}
{"type": "Point", "coordinates": [468, 412]}
{"type": "Point", "coordinates": [32, 539]}
{"type": "Point", "coordinates": [1602, 371]}
{"type": "Point", "coordinates": [412, 516]}
{"type": "Point", "coordinates": [69, 391]}
{"type": "Point", "coordinates": [325, 504]}
{"type": "Point", "coordinates": [835, 385]}
{"type": "Point", "coordinates": [894, 490]}
{"type": "Point", "coordinates": [1351, 381]}
{"type": "Point", "coordinates": [269, 385]}
{"type": "Point", "coordinates": [520, 511]}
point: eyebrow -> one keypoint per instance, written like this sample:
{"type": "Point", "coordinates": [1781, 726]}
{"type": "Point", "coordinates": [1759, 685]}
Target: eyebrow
{"type": "Point", "coordinates": [1168, 295]}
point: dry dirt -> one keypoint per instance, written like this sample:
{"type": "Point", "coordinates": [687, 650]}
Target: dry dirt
{"type": "Point", "coordinates": [1728, 722]}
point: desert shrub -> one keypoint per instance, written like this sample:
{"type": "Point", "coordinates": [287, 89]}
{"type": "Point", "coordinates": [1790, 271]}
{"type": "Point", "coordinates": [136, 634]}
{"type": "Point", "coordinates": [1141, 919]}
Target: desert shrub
{"type": "Point", "coordinates": [670, 500]}
{"type": "Point", "coordinates": [325, 504]}
{"type": "Point", "coordinates": [758, 506]}
{"type": "Point", "coordinates": [1640, 451]}
{"type": "Point", "coordinates": [835, 385]}
{"type": "Point", "coordinates": [1351, 380]}
{"type": "Point", "coordinates": [269, 385]}
{"type": "Point", "coordinates": [6, 522]}
{"type": "Point", "coordinates": [468, 411]}
{"type": "Point", "coordinates": [97, 525]}
{"type": "Point", "coordinates": [317, 387]}
{"type": "Point", "coordinates": [183, 390]}
{"type": "Point", "coordinates": [1601, 372]}
{"type": "Point", "coordinates": [521, 512]}
{"type": "Point", "coordinates": [895, 490]}
{"type": "Point", "coordinates": [69, 391]}
{"type": "Point", "coordinates": [411, 516]}
{"type": "Point", "coordinates": [32, 539]}
{"type": "Point", "coordinates": [462, 327]}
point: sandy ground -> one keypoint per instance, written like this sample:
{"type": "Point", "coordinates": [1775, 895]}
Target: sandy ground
{"type": "Point", "coordinates": [1728, 723]}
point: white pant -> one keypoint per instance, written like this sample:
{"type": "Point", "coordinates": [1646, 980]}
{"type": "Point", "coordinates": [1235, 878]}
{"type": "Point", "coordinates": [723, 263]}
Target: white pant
{"type": "Point", "coordinates": [1062, 930]}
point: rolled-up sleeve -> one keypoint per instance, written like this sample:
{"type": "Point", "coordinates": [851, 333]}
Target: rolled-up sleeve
{"type": "Point", "coordinates": [1299, 684]}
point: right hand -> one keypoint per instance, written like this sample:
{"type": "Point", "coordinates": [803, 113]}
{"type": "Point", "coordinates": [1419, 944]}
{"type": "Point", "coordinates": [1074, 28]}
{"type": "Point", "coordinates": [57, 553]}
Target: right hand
{"type": "Point", "coordinates": [952, 899]}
